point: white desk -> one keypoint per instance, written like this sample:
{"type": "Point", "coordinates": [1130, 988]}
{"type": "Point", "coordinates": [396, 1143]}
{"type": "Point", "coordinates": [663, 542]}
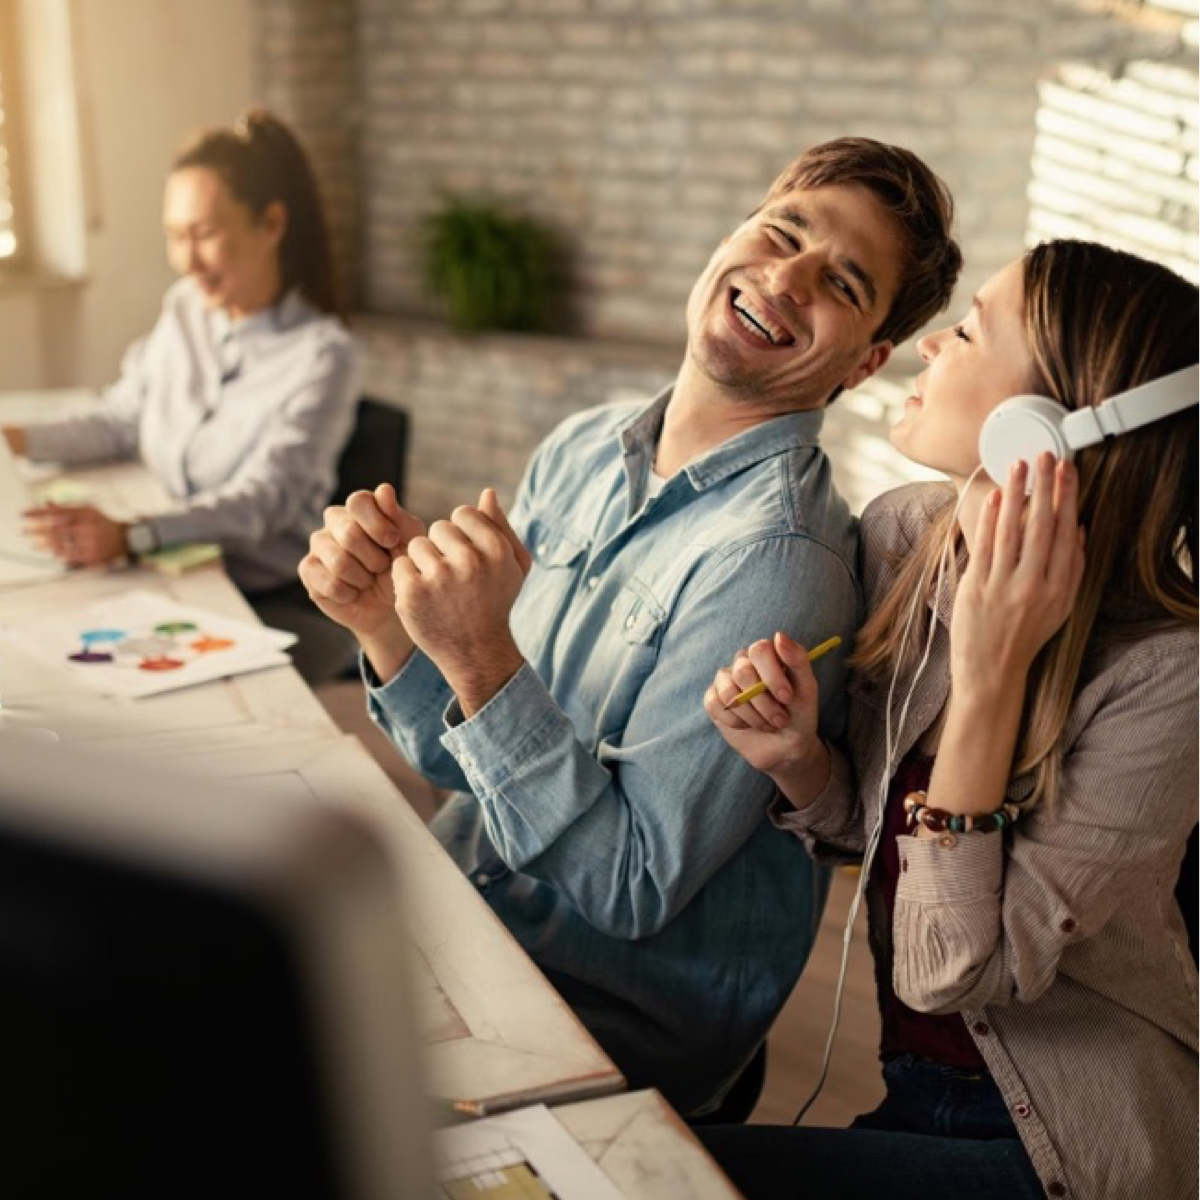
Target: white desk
{"type": "Point", "coordinates": [643, 1146]}
{"type": "Point", "coordinates": [496, 1032]}
{"type": "Point", "coordinates": [499, 1034]}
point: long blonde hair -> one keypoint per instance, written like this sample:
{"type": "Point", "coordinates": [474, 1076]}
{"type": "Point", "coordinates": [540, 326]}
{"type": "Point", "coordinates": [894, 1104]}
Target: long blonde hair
{"type": "Point", "coordinates": [1098, 321]}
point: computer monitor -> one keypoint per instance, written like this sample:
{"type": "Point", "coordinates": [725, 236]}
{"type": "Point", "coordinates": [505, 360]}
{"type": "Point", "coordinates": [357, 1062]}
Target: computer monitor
{"type": "Point", "coordinates": [202, 993]}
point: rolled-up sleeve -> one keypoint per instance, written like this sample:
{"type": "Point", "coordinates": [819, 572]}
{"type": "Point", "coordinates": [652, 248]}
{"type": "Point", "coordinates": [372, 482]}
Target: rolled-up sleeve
{"type": "Point", "coordinates": [977, 926]}
{"type": "Point", "coordinates": [831, 826]}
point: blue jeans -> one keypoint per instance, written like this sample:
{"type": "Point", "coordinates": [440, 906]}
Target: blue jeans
{"type": "Point", "coordinates": [940, 1134]}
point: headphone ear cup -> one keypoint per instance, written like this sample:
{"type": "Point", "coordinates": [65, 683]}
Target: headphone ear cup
{"type": "Point", "coordinates": [1022, 427]}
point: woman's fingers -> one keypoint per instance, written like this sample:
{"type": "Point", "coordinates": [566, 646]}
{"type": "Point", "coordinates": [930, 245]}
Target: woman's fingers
{"type": "Point", "coordinates": [757, 664]}
{"type": "Point", "coordinates": [1040, 518]}
{"type": "Point", "coordinates": [1006, 545]}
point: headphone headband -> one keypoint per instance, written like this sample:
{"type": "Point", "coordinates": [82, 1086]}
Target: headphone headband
{"type": "Point", "coordinates": [1142, 405]}
{"type": "Point", "coordinates": [1023, 427]}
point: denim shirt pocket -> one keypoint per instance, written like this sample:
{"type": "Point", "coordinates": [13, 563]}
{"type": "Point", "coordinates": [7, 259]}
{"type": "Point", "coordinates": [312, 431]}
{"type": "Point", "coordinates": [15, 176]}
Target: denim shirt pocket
{"type": "Point", "coordinates": [623, 656]}
{"type": "Point", "coordinates": [638, 616]}
{"type": "Point", "coordinates": [554, 546]}
{"type": "Point", "coordinates": [559, 554]}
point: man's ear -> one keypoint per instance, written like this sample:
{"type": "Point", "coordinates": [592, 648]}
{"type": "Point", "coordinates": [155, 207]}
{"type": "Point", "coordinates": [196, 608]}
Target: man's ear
{"type": "Point", "coordinates": [873, 360]}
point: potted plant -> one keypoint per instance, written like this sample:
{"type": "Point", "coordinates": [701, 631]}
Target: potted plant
{"type": "Point", "coordinates": [493, 268]}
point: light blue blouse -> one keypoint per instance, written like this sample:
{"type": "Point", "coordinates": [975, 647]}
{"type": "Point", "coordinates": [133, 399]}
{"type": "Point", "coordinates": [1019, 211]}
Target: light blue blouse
{"type": "Point", "coordinates": [241, 421]}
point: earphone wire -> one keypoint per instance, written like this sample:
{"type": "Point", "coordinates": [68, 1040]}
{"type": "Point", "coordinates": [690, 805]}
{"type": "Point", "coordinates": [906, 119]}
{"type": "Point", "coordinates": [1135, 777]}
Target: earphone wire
{"type": "Point", "coordinates": [890, 748]}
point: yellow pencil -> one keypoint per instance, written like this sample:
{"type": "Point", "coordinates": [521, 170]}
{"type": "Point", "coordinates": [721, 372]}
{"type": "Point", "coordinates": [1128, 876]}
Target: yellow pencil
{"type": "Point", "coordinates": [757, 690]}
{"type": "Point", "coordinates": [458, 1108]}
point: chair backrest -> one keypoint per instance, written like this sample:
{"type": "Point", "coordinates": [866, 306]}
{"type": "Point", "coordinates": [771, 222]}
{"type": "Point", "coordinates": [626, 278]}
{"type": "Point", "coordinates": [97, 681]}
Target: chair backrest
{"type": "Point", "coordinates": [1186, 889]}
{"type": "Point", "coordinates": [376, 452]}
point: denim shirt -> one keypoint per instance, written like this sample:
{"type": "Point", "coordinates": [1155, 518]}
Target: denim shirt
{"type": "Point", "coordinates": [597, 809]}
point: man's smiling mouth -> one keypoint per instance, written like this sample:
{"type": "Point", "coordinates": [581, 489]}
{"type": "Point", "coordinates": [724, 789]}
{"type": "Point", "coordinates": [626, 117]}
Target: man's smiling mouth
{"type": "Point", "coordinates": [759, 322]}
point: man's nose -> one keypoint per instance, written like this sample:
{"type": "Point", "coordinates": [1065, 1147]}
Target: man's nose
{"type": "Point", "coordinates": [794, 277]}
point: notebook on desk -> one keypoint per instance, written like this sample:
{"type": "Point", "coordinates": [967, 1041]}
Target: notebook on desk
{"type": "Point", "coordinates": [20, 559]}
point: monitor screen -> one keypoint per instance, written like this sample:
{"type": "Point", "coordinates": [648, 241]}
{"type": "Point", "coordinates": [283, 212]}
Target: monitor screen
{"type": "Point", "coordinates": [201, 993]}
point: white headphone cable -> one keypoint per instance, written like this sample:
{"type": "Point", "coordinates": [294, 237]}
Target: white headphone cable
{"type": "Point", "coordinates": [890, 746]}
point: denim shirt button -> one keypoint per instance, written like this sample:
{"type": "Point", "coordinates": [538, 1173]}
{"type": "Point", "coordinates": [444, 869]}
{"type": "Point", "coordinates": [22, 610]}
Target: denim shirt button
{"type": "Point", "coordinates": [482, 879]}
{"type": "Point", "coordinates": [593, 583]}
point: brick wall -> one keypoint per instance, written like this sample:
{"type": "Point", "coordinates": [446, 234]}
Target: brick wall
{"type": "Point", "coordinates": [644, 129]}
{"type": "Point", "coordinates": [308, 69]}
{"type": "Point", "coordinates": [1116, 158]}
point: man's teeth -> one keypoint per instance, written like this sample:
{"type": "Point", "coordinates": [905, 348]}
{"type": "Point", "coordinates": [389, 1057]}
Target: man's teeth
{"type": "Point", "coordinates": [759, 323]}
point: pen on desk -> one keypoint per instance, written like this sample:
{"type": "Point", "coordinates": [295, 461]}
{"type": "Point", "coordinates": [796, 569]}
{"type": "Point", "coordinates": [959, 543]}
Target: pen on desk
{"type": "Point", "coordinates": [757, 690]}
{"type": "Point", "coordinates": [458, 1108]}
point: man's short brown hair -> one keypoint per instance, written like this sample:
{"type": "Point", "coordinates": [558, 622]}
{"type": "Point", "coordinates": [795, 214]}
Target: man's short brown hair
{"type": "Point", "coordinates": [919, 203]}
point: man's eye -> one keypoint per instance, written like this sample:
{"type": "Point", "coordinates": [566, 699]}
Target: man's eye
{"type": "Point", "coordinates": [782, 235]}
{"type": "Point", "coordinates": [843, 287]}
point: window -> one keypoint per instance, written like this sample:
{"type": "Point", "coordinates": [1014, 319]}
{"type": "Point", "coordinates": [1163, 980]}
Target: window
{"type": "Point", "coordinates": [8, 221]}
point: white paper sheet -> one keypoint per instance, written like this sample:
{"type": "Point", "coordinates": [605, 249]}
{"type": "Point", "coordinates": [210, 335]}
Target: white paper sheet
{"type": "Point", "coordinates": [521, 1155]}
{"type": "Point", "coordinates": [20, 560]}
{"type": "Point", "coordinates": [140, 643]}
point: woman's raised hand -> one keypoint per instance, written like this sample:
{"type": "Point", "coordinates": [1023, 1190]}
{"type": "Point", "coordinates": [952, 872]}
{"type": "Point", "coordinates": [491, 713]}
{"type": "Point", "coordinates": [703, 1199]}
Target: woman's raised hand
{"type": "Point", "coordinates": [776, 731]}
{"type": "Point", "coordinates": [1024, 574]}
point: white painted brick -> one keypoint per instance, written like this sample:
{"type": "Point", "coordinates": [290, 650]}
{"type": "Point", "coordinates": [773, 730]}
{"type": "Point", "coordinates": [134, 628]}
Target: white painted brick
{"type": "Point", "coordinates": [1100, 111]}
{"type": "Point", "coordinates": [1158, 157]}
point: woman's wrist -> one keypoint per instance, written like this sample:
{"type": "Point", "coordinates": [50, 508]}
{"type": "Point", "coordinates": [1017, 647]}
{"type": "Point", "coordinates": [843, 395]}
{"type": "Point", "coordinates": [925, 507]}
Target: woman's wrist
{"type": "Point", "coordinates": [976, 749]}
{"type": "Point", "coordinates": [804, 779]}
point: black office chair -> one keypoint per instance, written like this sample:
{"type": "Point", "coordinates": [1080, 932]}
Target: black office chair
{"type": "Point", "coordinates": [376, 452]}
{"type": "Point", "coordinates": [1186, 889]}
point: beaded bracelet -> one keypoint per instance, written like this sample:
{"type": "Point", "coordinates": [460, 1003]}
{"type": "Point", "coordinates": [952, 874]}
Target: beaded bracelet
{"type": "Point", "coordinates": [937, 820]}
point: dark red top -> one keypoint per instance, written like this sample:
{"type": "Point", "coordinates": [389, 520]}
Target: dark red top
{"type": "Point", "coordinates": [943, 1039]}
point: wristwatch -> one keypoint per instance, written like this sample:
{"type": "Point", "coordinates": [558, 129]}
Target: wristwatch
{"type": "Point", "coordinates": [141, 538]}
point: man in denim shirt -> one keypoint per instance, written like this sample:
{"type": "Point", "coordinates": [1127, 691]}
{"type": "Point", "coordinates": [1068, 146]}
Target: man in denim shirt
{"type": "Point", "coordinates": [553, 677]}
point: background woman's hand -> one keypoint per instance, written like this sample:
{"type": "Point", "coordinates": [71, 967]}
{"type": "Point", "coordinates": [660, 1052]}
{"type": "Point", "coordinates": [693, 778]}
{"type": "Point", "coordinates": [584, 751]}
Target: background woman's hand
{"type": "Point", "coordinates": [79, 534]}
{"type": "Point", "coordinates": [1024, 573]}
{"type": "Point", "coordinates": [775, 732]}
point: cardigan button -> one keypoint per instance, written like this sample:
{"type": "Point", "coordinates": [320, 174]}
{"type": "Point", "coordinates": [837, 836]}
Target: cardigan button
{"type": "Point", "coordinates": [982, 1028]}
{"type": "Point", "coordinates": [1068, 926]}
{"type": "Point", "coordinates": [1022, 1110]}
{"type": "Point", "coordinates": [1056, 1188]}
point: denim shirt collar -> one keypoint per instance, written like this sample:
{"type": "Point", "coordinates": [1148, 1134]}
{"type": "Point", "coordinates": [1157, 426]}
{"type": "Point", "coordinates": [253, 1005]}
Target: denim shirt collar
{"type": "Point", "coordinates": [640, 434]}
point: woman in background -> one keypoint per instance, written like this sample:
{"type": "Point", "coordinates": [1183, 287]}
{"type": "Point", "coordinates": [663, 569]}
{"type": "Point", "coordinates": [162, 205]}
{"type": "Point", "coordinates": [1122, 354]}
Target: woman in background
{"type": "Point", "coordinates": [242, 395]}
{"type": "Point", "coordinates": [1023, 741]}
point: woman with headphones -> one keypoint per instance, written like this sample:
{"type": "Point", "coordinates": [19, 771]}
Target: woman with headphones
{"type": "Point", "coordinates": [240, 398]}
{"type": "Point", "coordinates": [1022, 748]}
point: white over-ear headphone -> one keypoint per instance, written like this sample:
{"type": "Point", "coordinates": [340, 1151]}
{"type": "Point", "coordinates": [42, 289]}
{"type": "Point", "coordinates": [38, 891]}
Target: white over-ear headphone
{"type": "Point", "coordinates": [1022, 427]}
